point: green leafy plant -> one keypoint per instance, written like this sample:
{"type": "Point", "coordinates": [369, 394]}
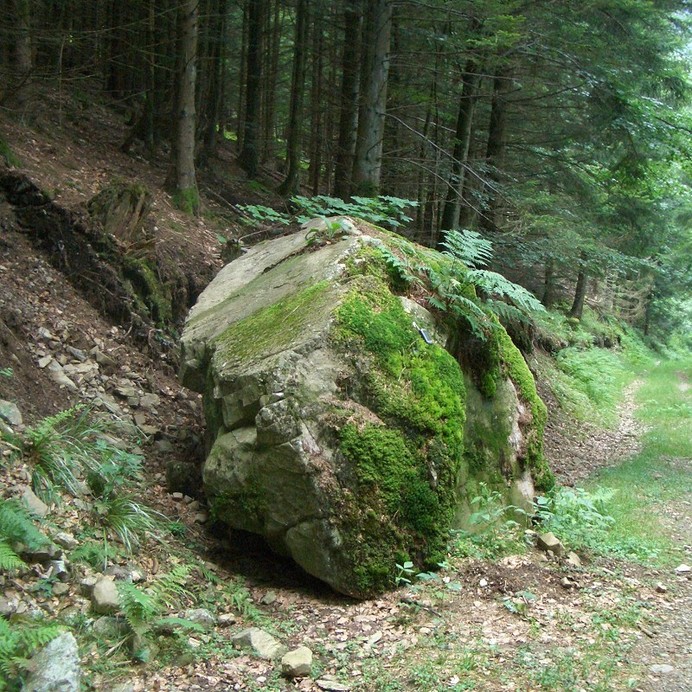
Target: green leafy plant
{"type": "Point", "coordinates": [16, 526]}
{"type": "Point", "coordinates": [457, 286]}
{"type": "Point", "coordinates": [143, 608]}
{"type": "Point", "coordinates": [6, 372]}
{"type": "Point", "coordinates": [59, 448]}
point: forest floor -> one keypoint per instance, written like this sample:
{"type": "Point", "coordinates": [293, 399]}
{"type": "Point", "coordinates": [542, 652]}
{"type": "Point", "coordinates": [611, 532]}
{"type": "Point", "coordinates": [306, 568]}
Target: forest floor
{"type": "Point", "coordinates": [519, 621]}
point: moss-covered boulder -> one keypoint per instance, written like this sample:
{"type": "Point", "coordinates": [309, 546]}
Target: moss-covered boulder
{"type": "Point", "coordinates": [339, 426]}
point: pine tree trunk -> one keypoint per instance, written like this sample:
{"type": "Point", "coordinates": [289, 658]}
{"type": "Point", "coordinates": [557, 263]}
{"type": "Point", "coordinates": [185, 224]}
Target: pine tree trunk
{"type": "Point", "coordinates": [291, 183]}
{"type": "Point", "coordinates": [577, 308]}
{"type": "Point", "coordinates": [549, 283]}
{"type": "Point", "coordinates": [462, 143]}
{"type": "Point", "coordinates": [185, 193]}
{"type": "Point", "coordinates": [22, 46]}
{"type": "Point", "coordinates": [368, 159]}
{"type": "Point", "coordinates": [249, 154]}
{"type": "Point", "coordinates": [350, 88]}
{"type": "Point", "coordinates": [495, 149]}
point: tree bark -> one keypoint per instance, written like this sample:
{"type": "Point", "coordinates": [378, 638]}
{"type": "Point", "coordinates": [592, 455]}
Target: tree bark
{"type": "Point", "coordinates": [249, 154]}
{"type": "Point", "coordinates": [462, 142]}
{"type": "Point", "coordinates": [350, 88]}
{"type": "Point", "coordinates": [577, 308]}
{"type": "Point", "coordinates": [291, 183]}
{"type": "Point", "coordinates": [549, 283]}
{"type": "Point", "coordinates": [22, 46]}
{"type": "Point", "coordinates": [495, 149]}
{"type": "Point", "coordinates": [184, 187]}
{"type": "Point", "coordinates": [368, 158]}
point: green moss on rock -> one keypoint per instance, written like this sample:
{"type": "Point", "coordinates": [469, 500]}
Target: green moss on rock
{"type": "Point", "coordinates": [407, 466]}
{"type": "Point", "coordinates": [273, 329]}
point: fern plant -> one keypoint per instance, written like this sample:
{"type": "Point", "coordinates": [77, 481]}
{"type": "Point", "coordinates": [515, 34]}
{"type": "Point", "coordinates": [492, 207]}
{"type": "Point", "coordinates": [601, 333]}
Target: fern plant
{"type": "Point", "coordinates": [143, 607]}
{"type": "Point", "coordinates": [16, 526]}
{"type": "Point", "coordinates": [18, 642]}
{"type": "Point", "coordinates": [457, 284]}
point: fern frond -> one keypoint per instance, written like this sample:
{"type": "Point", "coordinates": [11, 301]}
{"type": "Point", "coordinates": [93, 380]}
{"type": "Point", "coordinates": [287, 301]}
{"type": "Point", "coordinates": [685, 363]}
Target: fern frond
{"type": "Point", "coordinates": [9, 560]}
{"type": "Point", "coordinates": [138, 606]}
{"type": "Point", "coordinates": [169, 589]}
{"type": "Point", "coordinates": [493, 283]}
{"type": "Point", "coordinates": [469, 247]}
{"type": "Point", "coordinates": [16, 525]}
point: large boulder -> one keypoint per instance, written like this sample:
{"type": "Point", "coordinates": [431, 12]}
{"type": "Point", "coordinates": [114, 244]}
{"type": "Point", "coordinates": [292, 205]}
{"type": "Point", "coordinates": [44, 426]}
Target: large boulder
{"type": "Point", "coordinates": [338, 424]}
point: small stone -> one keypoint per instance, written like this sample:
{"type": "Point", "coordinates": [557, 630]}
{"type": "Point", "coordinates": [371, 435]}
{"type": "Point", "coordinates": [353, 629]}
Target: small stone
{"type": "Point", "coordinates": [200, 616]}
{"type": "Point", "coordinates": [60, 589]}
{"type": "Point", "coordinates": [329, 685]}
{"type": "Point", "coordinates": [268, 598]}
{"type": "Point", "coordinates": [567, 583]}
{"type": "Point", "coordinates": [549, 542]}
{"type": "Point", "coordinates": [297, 663]}
{"type": "Point", "coordinates": [66, 540]}
{"type": "Point", "coordinates": [10, 413]}
{"type": "Point", "coordinates": [7, 607]}
{"type": "Point", "coordinates": [164, 446]}
{"type": "Point", "coordinates": [58, 376]}
{"type": "Point", "coordinates": [573, 560]}
{"type": "Point", "coordinates": [483, 582]}
{"type": "Point", "coordinates": [104, 597]}
{"type": "Point", "coordinates": [177, 496]}
{"type": "Point", "coordinates": [194, 505]}
{"type": "Point", "coordinates": [661, 669]}
{"type": "Point", "coordinates": [45, 361]}
{"type": "Point", "coordinates": [86, 585]}
{"type": "Point", "coordinates": [201, 518]}
{"type": "Point", "coordinates": [35, 505]}
{"type": "Point", "coordinates": [149, 401]}
{"type": "Point", "coordinates": [262, 643]}
{"type": "Point", "coordinates": [76, 353]}
{"type": "Point", "coordinates": [682, 569]}
{"type": "Point", "coordinates": [226, 619]}
{"type": "Point", "coordinates": [126, 391]}
{"type": "Point", "coordinates": [661, 588]}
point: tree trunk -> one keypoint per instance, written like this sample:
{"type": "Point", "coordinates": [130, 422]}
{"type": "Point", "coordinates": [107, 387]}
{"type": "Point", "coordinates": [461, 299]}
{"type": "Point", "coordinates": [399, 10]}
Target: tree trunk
{"type": "Point", "coordinates": [368, 159]}
{"type": "Point", "coordinates": [184, 187]}
{"type": "Point", "coordinates": [350, 87]}
{"type": "Point", "coordinates": [462, 142]}
{"type": "Point", "coordinates": [271, 80]}
{"type": "Point", "coordinates": [577, 308]}
{"type": "Point", "coordinates": [23, 61]}
{"type": "Point", "coordinates": [291, 183]}
{"type": "Point", "coordinates": [495, 149]}
{"type": "Point", "coordinates": [317, 136]}
{"type": "Point", "coordinates": [549, 283]}
{"type": "Point", "coordinates": [249, 154]}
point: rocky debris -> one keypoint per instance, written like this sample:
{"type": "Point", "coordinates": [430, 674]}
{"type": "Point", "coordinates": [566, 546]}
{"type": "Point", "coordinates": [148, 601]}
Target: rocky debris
{"type": "Point", "coordinates": [10, 413]}
{"type": "Point", "coordinates": [34, 504]}
{"type": "Point", "coordinates": [104, 597]}
{"type": "Point", "coordinates": [260, 642]}
{"type": "Point", "coordinates": [297, 663]}
{"type": "Point", "coordinates": [200, 616]}
{"type": "Point", "coordinates": [661, 669]}
{"type": "Point", "coordinates": [572, 559]}
{"type": "Point", "coordinates": [55, 667]}
{"type": "Point", "coordinates": [330, 685]}
{"type": "Point", "coordinates": [66, 540]}
{"type": "Point", "coordinates": [549, 542]}
{"type": "Point", "coordinates": [683, 569]}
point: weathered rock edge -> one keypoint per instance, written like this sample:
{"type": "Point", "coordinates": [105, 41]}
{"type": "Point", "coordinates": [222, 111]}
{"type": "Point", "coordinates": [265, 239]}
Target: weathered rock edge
{"type": "Point", "coordinates": [335, 430]}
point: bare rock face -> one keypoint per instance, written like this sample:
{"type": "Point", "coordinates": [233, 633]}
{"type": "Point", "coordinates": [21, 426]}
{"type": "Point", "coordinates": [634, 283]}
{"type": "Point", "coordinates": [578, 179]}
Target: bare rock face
{"type": "Point", "coordinates": [337, 421]}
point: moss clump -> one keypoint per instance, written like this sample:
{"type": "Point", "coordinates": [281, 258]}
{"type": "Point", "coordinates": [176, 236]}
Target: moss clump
{"type": "Point", "coordinates": [187, 200]}
{"type": "Point", "coordinates": [406, 469]}
{"type": "Point", "coordinates": [9, 157]}
{"type": "Point", "coordinates": [271, 329]}
{"type": "Point", "coordinates": [146, 287]}
{"type": "Point", "coordinates": [515, 367]}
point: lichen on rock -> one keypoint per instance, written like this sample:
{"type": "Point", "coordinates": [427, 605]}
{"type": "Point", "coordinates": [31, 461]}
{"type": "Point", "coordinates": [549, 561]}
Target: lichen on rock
{"type": "Point", "coordinates": [336, 430]}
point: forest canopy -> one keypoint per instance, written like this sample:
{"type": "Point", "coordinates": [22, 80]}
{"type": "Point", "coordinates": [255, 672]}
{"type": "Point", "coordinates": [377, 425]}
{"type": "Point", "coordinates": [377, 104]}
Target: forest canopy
{"type": "Point", "coordinates": [560, 131]}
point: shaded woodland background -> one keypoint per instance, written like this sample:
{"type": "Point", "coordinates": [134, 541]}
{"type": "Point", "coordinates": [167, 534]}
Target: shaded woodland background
{"type": "Point", "coordinates": [562, 131]}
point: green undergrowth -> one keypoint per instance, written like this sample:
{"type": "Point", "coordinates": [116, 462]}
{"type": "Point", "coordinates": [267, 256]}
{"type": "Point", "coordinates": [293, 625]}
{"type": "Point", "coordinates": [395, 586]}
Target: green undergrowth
{"type": "Point", "coordinates": [622, 511]}
{"type": "Point", "coordinates": [658, 477]}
